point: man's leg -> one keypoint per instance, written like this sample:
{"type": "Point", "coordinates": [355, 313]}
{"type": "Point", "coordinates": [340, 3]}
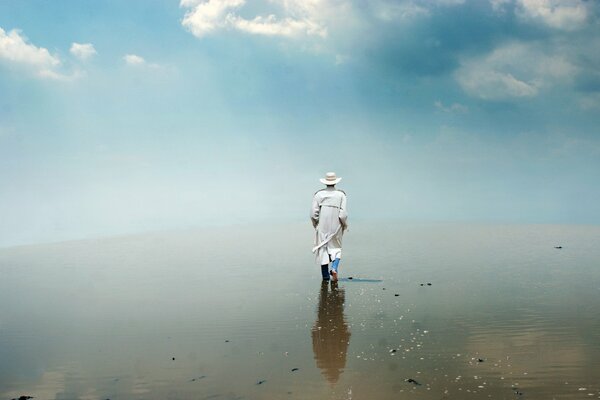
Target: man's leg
{"type": "Point", "coordinates": [325, 272]}
{"type": "Point", "coordinates": [334, 268]}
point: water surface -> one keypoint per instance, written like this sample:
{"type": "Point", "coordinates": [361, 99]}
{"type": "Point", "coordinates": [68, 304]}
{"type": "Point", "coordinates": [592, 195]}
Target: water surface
{"type": "Point", "coordinates": [241, 313]}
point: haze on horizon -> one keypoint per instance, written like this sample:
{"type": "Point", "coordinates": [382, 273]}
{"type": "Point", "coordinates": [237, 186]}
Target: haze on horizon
{"type": "Point", "coordinates": [124, 117]}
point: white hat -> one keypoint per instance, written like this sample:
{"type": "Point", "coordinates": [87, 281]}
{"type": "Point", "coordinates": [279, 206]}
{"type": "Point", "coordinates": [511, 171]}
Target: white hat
{"type": "Point", "coordinates": [330, 179]}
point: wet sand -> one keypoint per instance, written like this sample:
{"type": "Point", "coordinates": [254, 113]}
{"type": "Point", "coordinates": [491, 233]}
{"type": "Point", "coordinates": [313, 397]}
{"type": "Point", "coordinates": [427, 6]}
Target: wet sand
{"type": "Point", "coordinates": [243, 314]}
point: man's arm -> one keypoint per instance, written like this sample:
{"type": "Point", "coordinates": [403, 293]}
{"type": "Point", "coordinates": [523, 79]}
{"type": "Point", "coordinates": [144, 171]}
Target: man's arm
{"type": "Point", "coordinates": [343, 213]}
{"type": "Point", "coordinates": [314, 211]}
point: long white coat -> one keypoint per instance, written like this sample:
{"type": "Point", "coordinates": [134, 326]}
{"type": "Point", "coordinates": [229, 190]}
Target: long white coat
{"type": "Point", "coordinates": [329, 217]}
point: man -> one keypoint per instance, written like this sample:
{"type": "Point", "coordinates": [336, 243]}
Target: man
{"type": "Point", "coordinates": [328, 216]}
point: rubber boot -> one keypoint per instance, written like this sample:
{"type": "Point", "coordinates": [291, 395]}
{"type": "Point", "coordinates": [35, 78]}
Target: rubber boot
{"type": "Point", "coordinates": [325, 272]}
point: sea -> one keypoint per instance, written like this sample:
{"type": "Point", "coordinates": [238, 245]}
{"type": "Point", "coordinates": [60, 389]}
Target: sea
{"type": "Point", "coordinates": [420, 311]}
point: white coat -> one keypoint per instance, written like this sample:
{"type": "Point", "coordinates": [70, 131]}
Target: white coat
{"type": "Point", "coordinates": [328, 215]}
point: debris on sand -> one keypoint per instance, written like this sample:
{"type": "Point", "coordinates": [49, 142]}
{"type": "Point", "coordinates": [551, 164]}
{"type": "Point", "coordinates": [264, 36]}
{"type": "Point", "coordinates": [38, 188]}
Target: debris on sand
{"type": "Point", "coordinates": [411, 380]}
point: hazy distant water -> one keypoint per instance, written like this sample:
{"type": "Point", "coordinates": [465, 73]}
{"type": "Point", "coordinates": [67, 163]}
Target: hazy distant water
{"type": "Point", "coordinates": [231, 314]}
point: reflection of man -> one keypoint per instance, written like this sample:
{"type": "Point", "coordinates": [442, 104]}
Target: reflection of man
{"type": "Point", "coordinates": [330, 334]}
{"type": "Point", "coordinates": [328, 215]}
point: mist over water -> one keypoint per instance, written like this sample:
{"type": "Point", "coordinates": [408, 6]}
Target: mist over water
{"type": "Point", "coordinates": [242, 313]}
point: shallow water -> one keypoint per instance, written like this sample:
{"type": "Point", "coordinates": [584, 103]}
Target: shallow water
{"type": "Point", "coordinates": [242, 314]}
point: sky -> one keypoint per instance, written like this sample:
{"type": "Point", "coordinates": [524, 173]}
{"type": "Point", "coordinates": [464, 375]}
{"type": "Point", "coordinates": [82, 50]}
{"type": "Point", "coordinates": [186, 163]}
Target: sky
{"type": "Point", "coordinates": [121, 117]}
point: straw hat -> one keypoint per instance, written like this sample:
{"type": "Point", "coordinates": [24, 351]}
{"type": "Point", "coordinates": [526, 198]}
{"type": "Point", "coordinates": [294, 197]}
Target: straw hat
{"type": "Point", "coordinates": [330, 179]}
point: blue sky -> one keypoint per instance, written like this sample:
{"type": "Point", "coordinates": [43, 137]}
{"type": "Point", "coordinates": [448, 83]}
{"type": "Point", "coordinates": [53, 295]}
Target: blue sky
{"type": "Point", "coordinates": [133, 116]}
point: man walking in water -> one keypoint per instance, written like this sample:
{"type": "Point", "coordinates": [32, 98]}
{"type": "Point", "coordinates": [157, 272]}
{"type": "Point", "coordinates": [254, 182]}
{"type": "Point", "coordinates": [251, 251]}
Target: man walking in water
{"type": "Point", "coordinates": [328, 215]}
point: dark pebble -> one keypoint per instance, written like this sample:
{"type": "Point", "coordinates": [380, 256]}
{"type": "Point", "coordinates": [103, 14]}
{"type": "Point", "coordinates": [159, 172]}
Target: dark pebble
{"type": "Point", "coordinates": [383, 288]}
{"type": "Point", "coordinates": [227, 341]}
{"type": "Point", "coordinates": [517, 392]}
{"type": "Point", "coordinates": [428, 283]}
{"type": "Point", "coordinates": [393, 351]}
{"type": "Point", "coordinates": [295, 369]}
{"type": "Point", "coordinates": [558, 247]}
{"type": "Point", "coordinates": [411, 380]}
{"type": "Point", "coordinates": [350, 277]}
{"type": "Point", "coordinates": [260, 382]}
{"type": "Point", "coordinates": [480, 360]}
{"type": "Point", "coordinates": [396, 295]}
{"type": "Point", "coordinates": [173, 358]}
{"type": "Point", "coordinates": [24, 398]}
{"type": "Point", "coordinates": [422, 284]}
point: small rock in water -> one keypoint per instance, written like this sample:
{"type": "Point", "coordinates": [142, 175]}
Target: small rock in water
{"type": "Point", "coordinates": [350, 277]}
{"type": "Point", "coordinates": [295, 369]}
{"type": "Point", "coordinates": [411, 380]}
{"type": "Point", "coordinates": [558, 247]}
{"type": "Point", "coordinates": [517, 392]}
{"type": "Point", "coordinates": [428, 283]}
{"type": "Point", "coordinates": [173, 358]}
{"type": "Point", "coordinates": [396, 295]}
{"type": "Point", "coordinates": [260, 382]}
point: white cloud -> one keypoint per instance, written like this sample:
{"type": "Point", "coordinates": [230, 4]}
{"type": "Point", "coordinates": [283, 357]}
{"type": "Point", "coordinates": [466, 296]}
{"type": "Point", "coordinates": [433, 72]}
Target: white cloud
{"type": "Point", "coordinates": [561, 14]}
{"type": "Point", "coordinates": [271, 26]}
{"type": "Point", "coordinates": [133, 59]}
{"type": "Point", "coordinates": [395, 10]}
{"type": "Point", "coordinates": [391, 11]}
{"type": "Point", "coordinates": [499, 5]}
{"type": "Point", "coordinates": [83, 51]}
{"type": "Point", "coordinates": [206, 17]}
{"type": "Point", "coordinates": [453, 108]}
{"type": "Point", "coordinates": [513, 70]}
{"type": "Point", "coordinates": [450, 2]}
{"type": "Point", "coordinates": [14, 48]}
